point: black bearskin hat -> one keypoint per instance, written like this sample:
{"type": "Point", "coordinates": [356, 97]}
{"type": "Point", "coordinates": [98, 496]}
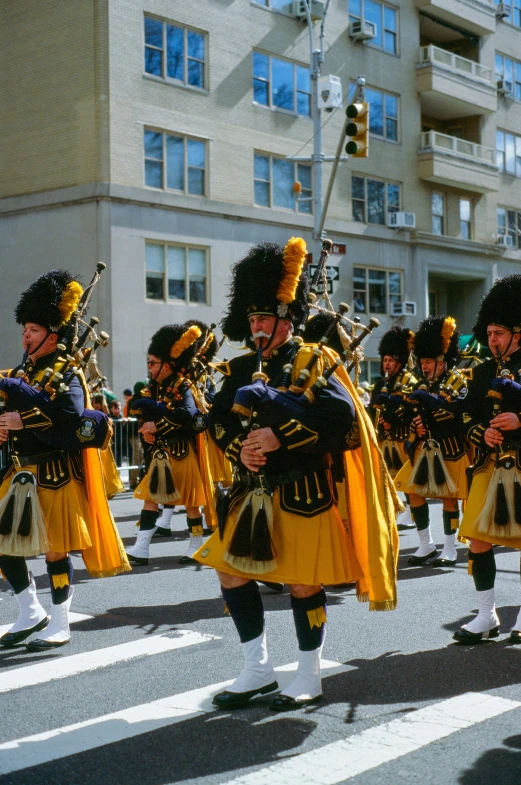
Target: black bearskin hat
{"type": "Point", "coordinates": [50, 301]}
{"type": "Point", "coordinates": [207, 344]}
{"type": "Point", "coordinates": [437, 338]}
{"type": "Point", "coordinates": [175, 344]}
{"type": "Point", "coordinates": [500, 306]}
{"type": "Point", "coordinates": [317, 326]}
{"type": "Point", "coordinates": [397, 343]}
{"type": "Point", "coordinates": [268, 280]}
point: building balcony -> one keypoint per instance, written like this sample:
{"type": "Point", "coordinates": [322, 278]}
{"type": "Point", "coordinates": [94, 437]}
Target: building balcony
{"type": "Point", "coordinates": [448, 160]}
{"type": "Point", "coordinates": [451, 86]}
{"type": "Point", "coordinates": [475, 16]}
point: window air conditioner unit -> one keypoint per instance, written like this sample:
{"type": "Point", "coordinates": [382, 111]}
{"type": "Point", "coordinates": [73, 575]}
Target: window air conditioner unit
{"type": "Point", "coordinates": [503, 10]}
{"type": "Point", "coordinates": [505, 241]}
{"type": "Point", "coordinates": [401, 220]}
{"type": "Point", "coordinates": [504, 88]}
{"type": "Point", "coordinates": [316, 9]}
{"type": "Point", "coordinates": [360, 30]}
{"type": "Point", "coordinates": [405, 308]}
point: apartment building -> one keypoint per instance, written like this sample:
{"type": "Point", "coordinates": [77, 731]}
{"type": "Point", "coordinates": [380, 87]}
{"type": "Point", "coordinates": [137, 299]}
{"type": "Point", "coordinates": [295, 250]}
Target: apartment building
{"type": "Point", "coordinates": [157, 135]}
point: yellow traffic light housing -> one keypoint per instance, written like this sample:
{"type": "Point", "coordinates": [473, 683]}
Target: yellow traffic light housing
{"type": "Point", "coordinates": [358, 130]}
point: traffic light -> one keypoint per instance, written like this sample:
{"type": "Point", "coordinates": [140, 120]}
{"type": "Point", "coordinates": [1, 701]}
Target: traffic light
{"type": "Point", "coordinates": [358, 130]}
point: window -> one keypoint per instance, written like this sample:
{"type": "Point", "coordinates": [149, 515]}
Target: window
{"type": "Point", "coordinates": [385, 19]}
{"type": "Point", "coordinates": [510, 72]}
{"type": "Point", "coordinates": [281, 84]}
{"type": "Point", "coordinates": [433, 302]}
{"type": "Point", "coordinates": [273, 183]}
{"type": "Point", "coordinates": [176, 272]}
{"type": "Point", "coordinates": [383, 114]}
{"type": "Point", "coordinates": [438, 213]}
{"type": "Point", "coordinates": [286, 6]}
{"type": "Point", "coordinates": [509, 222]}
{"type": "Point", "coordinates": [508, 147]}
{"type": "Point", "coordinates": [515, 12]}
{"type": "Point", "coordinates": [374, 290]}
{"type": "Point", "coordinates": [175, 52]}
{"type": "Point", "coordinates": [175, 163]}
{"type": "Point", "coordinates": [465, 219]}
{"type": "Point", "coordinates": [373, 200]}
{"type": "Point", "coordinates": [370, 371]}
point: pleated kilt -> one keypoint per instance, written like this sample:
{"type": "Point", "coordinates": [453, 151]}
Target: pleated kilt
{"type": "Point", "coordinates": [220, 467]}
{"type": "Point", "coordinates": [476, 500]}
{"type": "Point", "coordinates": [456, 469]}
{"type": "Point", "coordinates": [65, 511]}
{"type": "Point", "coordinates": [386, 446]}
{"type": "Point", "coordinates": [309, 550]}
{"type": "Point", "coordinates": [187, 480]}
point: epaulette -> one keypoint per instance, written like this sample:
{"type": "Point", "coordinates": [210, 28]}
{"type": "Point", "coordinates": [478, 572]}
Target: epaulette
{"type": "Point", "coordinates": [226, 367]}
{"type": "Point", "coordinates": [221, 367]}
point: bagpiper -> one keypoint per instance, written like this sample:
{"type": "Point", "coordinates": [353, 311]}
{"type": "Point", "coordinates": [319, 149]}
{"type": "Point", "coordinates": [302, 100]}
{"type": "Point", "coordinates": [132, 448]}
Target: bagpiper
{"type": "Point", "coordinates": [437, 446]}
{"type": "Point", "coordinates": [392, 417]}
{"type": "Point", "coordinates": [173, 427]}
{"type": "Point", "coordinates": [280, 521]}
{"type": "Point", "coordinates": [52, 498]}
{"type": "Point", "coordinates": [492, 421]}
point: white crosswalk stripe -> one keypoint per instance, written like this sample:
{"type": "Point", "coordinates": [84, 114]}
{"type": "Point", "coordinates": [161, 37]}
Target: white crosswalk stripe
{"type": "Point", "coordinates": [60, 668]}
{"type": "Point", "coordinates": [117, 726]}
{"type": "Point", "coordinates": [74, 618]}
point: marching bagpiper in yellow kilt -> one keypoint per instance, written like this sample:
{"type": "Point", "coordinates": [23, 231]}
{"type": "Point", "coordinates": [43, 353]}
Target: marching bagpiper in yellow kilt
{"type": "Point", "coordinates": [52, 498]}
{"type": "Point", "coordinates": [492, 421]}
{"type": "Point", "coordinates": [437, 447]}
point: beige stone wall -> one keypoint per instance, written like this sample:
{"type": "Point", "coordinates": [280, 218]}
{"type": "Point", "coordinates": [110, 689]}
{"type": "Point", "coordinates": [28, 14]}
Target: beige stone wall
{"type": "Point", "coordinates": [50, 78]}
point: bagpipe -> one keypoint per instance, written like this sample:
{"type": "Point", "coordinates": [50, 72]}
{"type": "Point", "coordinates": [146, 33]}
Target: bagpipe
{"type": "Point", "coordinates": [77, 431]}
{"type": "Point", "coordinates": [501, 512]}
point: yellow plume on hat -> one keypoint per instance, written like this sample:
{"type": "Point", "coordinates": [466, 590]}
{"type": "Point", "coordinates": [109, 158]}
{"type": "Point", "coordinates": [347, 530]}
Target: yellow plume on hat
{"type": "Point", "coordinates": [69, 300]}
{"type": "Point", "coordinates": [447, 331]}
{"type": "Point", "coordinates": [410, 341]}
{"type": "Point", "coordinates": [293, 259]}
{"type": "Point", "coordinates": [185, 341]}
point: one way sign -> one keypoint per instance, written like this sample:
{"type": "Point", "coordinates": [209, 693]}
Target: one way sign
{"type": "Point", "coordinates": [332, 274]}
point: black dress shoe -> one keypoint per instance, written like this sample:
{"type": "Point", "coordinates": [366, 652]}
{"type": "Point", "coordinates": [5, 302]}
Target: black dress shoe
{"type": "Point", "coordinates": [187, 560]}
{"type": "Point", "coordinates": [285, 703]}
{"type": "Point", "coordinates": [515, 636]}
{"type": "Point", "coordinates": [136, 559]}
{"type": "Point", "coordinates": [444, 562]}
{"type": "Point", "coordinates": [162, 532]}
{"type": "Point", "coordinates": [236, 700]}
{"type": "Point", "coordinates": [418, 560]}
{"type": "Point", "coordinates": [40, 645]}
{"type": "Point", "coordinates": [11, 639]}
{"type": "Point", "coordinates": [466, 637]}
{"type": "Point", "coordinates": [405, 526]}
{"type": "Point", "coordinates": [278, 587]}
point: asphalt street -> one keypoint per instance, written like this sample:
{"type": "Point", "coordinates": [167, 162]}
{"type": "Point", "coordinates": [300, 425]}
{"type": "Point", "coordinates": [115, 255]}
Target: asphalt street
{"type": "Point", "coordinates": [128, 702]}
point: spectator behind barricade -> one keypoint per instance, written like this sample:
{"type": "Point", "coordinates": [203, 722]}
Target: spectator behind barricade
{"type": "Point", "coordinates": [135, 448]}
{"type": "Point", "coordinates": [99, 403]}
{"type": "Point", "coordinates": [119, 440]}
{"type": "Point", "coordinates": [115, 409]}
{"type": "Point", "coordinates": [127, 395]}
{"type": "Point", "coordinates": [107, 392]}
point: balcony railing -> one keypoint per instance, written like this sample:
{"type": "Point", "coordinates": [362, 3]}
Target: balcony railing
{"type": "Point", "coordinates": [436, 56]}
{"type": "Point", "coordinates": [461, 147]}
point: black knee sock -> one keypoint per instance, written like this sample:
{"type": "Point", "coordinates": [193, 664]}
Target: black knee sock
{"type": "Point", "coordinates": [246, 610]}
{"type": "Point", "coordinates": [407, 500]}
{"type": "Point", "coordinates": [148, 520]}
{"type": "Point", "coordinates": [483, 569]}
{"type": "Point", "coordinates": [60, 578]}
{"type": "Point", "coordinates": [195, 525]}
{"type": "Point", "coordinates": [15, 571]}
{"type": "Point", "coordinates": [309, 614]}
{"type": "Point", "coordinates": [420, 516]}
{"type": "Point", "coordinates": [450, 519]}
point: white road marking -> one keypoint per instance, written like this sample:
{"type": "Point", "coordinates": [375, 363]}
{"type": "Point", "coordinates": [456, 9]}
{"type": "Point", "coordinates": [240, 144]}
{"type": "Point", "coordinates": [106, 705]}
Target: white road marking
{"type": "Point", "coordinates": [59, 668]}
{"type": "Point", "coordinates": [345, 759]}
{"type": "Point", "coordinates": [99, 731]}
{"type": "Point", "coordinates": [74, 618]}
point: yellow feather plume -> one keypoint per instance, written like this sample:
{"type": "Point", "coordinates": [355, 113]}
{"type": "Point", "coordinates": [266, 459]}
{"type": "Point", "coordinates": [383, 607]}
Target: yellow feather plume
{"type": "Point", "coordinates": [410, 341]}
{"type": "Point", "coordinates": [69, 300]}
{"type": "Point", "coordinates": [447, 331]}
{"type": "Point", "coordinates": [293, 260]}
{"type": "Point", "coordinates": [185, 341]}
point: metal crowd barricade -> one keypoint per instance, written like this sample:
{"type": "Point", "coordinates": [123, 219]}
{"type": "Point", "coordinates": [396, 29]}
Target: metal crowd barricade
{"type": "Point", "coordinates": [127, 449]}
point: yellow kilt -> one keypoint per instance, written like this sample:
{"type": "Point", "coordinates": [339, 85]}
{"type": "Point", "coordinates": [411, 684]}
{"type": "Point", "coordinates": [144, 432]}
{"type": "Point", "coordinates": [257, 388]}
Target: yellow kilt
{"type": "Point", "coordinates": [111, 478]}
{"type": "Point", "coordinates": [65, 512]}
{"type": "Point", "coordinates": [187, 480]}
{"type": "Point", "coordinates": [478, 492]}
{"type": "Point", "coordinates": [400, 449]}
{"type": "Point", "coordinates": [310, 551]}
{"type": "Point", "coordinates": [456, 469]}
{"type": "Point", "coordinates": [220, 467]}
